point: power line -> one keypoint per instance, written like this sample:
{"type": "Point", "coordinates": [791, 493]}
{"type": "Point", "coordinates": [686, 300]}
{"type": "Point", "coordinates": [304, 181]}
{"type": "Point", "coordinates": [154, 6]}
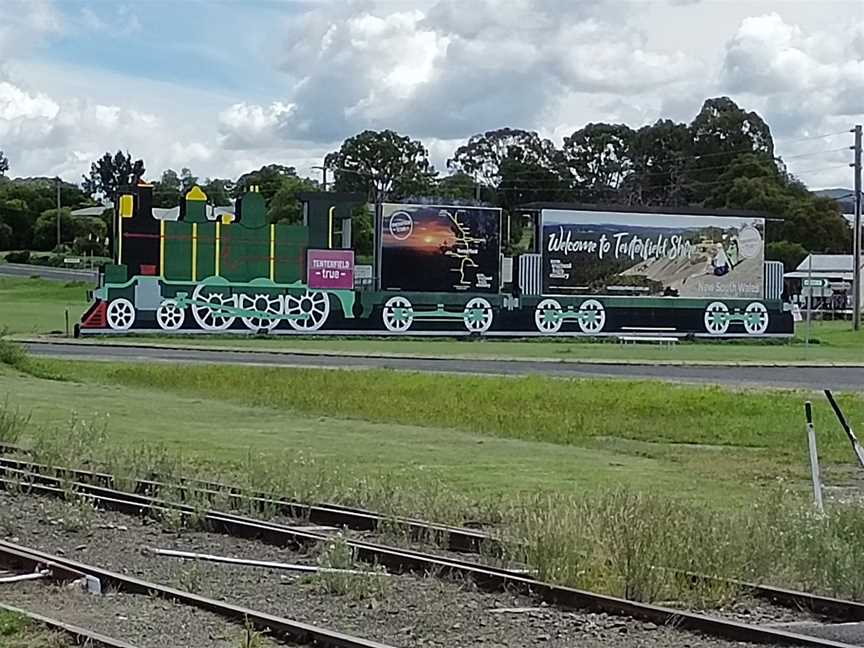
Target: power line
{"type": "Point", "coordinates": [564, 185]}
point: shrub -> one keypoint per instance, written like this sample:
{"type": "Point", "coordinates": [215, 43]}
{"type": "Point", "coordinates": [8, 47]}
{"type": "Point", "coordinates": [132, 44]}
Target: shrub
{"type": "Point", "coordinates": [18, 257]}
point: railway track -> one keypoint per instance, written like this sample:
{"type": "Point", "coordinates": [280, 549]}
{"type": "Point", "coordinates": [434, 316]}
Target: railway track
{"type": "Point", "coordinates": [62, 570]}
{"type": "Point", "coordinates": [402, 561]}
{"type": "Point", "coordinates": [454, 538]}
{"type": "Point", "coordinates": [457, 539]}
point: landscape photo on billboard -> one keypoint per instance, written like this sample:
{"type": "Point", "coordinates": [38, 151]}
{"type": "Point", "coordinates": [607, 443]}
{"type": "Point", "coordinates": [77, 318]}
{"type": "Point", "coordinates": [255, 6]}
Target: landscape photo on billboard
{"type": "Point", "coordinates": [440, 248]}
{"type": "Point", "coordinates": [669, 255]}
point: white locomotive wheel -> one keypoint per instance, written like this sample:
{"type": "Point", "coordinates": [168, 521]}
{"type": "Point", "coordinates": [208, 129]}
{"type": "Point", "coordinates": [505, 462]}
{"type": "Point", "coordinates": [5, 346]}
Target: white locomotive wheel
{"type": "Point", "coordinates": [548, 316]}
{"type": "Point", "coordinates": [756, 318]}
{"type": "Point", "coordinates": [717, 318]}
{"type": "Point", "coordinates": [263, 303]}
{"type": "Point", "coordinates": [120, 314]}
{"type": "Point", "coordinates": [478, 323]}
{"type": "Point", "coordinates": [313, 304]}
{"type": "Point", "coordinates": [211, 317]}
{"type": "Point", "coordinates": [592, 316]}
{"type": "Point", "coordinates": [170, 316]}
{"type": "Point", "coordinates": [397, 314]}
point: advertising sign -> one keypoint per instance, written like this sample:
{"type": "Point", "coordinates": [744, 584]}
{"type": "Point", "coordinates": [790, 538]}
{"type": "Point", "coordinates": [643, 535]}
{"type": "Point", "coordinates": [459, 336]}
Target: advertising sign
{"type": "Point", "coordinates": [330, 269]}
{"type": "Point", "coordinates": [440, 248]}
{"type": "Point", "coordinates": [671, 255]}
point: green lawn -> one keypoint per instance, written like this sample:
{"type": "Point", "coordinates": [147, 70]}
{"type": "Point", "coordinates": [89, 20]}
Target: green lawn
{"type": "Point", "coordinates": [480, 435]}
{"type": "Point", "coordinates": [38, 306]}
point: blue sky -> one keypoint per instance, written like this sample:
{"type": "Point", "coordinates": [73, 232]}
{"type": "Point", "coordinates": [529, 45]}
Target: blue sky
{"type": "Point", "coordinates": [223, 87]}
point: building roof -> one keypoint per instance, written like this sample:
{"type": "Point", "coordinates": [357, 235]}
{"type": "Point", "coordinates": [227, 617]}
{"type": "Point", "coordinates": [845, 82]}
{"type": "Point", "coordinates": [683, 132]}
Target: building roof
{"type": "Point", "coordinates": [826, 263]}
{"type": "Point", "coordinates": [90, 211]}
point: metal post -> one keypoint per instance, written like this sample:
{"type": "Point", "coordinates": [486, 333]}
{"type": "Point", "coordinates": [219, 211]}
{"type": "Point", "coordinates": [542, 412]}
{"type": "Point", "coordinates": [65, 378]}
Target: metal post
{"type": "Point", "coordinates": [814, 457]}
{"type": "Point", "coordinates": [324, 177]}
{"type": "Point", "coordinates": [856, 246]}
{"type": "Point", "coordinates": [58, 214]}
{"type": "Point", "coordinates": [809, 296]}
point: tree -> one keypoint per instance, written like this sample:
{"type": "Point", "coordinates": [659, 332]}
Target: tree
{"type": "Point", "coordinates": [187, 181]}
{"type": "Point", "coordinates": [4, 164]}
{"type": "Point", "coordinates": [790, 254]}
{"type": "Point", "coordinates": [166, 190]}
{"type": "Point", "coordinates": [459, 186]}
{"type": "Point", "coordinates": [599, 159]}
{"type": "Point", "coordinates": [109, 173]}
{"type": "Point", "coordinates": [285, 207]}
{"type": "Point", "coordinates": [268, 179]}
{"type": "Point", "coordinates": [753, 182]}
{"type": "Point", "coordinates": [45, 229]}
{"type": "Point", "coordinates": [383, 164]}
{"type": "Point", "coordinates": [483, 156]}
{"type": "Point", "coordinates": [218, 191]}
{"type": "Point", "coordinates": [719, 133]}
{"type": "Point", "coordinates": [6, 236]}
{"type": "Point", "coordinates": [659, 155]}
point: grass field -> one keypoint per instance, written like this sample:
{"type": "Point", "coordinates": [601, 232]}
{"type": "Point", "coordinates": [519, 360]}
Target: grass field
{"type": "Point", "coordinates": [39, 305]}
{"type": "Point", "coordinates": [483, 435]}
{"type": "Point", "coordinates": [30, 306]}
{"type": "Point", "coordinates": [588, 477]}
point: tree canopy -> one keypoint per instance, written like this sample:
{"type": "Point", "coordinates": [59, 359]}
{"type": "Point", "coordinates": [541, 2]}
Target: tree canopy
{"type": "Point", "coordinates": [382, 164]}
{"type": "Point", "coordinates": [109, 173]}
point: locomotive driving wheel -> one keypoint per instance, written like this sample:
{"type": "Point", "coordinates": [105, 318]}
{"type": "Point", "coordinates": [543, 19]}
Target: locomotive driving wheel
{"type": "Point", "coordinates": [170, 316]}
{"type": "Point", "coordinates": [212, 314]}
{"type": "Point", "coordinates": [120, 314]}
{"type": "Point", "coordinates": [756, 318]}
{"type": "Point", "coordinates": [547, 316]}
{"type": "Point", "coordinates": [478, 315]}
{"type": "Point", "coordinates": [717, 318]}
{"type": "Point", "coordinates": [263, 303]}
{"type": "Point", "coordinates": [315, 306]}
{"type": "Point", "coordinates": [592, 316]}
{"type": "Point", "coordinates": [398, 314]}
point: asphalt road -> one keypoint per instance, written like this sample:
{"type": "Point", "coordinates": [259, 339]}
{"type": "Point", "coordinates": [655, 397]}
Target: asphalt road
{"type": "Point", "coordinates": [54, 274]}
{"type": "Point", "coordinates": [815, 378]}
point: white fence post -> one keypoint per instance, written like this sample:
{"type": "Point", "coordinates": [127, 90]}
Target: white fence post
{"type": "Point", "coordinates": [814, 457]}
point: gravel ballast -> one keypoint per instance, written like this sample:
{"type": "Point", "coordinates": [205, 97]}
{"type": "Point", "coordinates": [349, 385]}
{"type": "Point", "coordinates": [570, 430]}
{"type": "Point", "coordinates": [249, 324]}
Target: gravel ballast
{"type": "Point", "coordinates": [403, 611]}
{"type": "Point", "coordinates": [144, 622]}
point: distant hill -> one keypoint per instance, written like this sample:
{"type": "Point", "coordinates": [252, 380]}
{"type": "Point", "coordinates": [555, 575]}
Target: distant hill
{"type": "Point", "coordinates": [842, 196]}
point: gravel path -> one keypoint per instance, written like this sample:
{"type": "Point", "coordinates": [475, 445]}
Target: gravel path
{"type": "Point", "coordinates": [145, 622]}
{"type": "Point", "coordinates": [402, 611]}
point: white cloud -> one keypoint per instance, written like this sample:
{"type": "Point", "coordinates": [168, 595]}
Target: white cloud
{"type": "Point", "coordinates": [433, 70]}
{"type": "Point", "coordinates": [249, 126]}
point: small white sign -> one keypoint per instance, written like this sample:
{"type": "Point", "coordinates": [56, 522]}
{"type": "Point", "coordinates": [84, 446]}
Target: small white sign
{"type": "Point", "coordinates": [796, 313]}
{"type": "Point", "coordinates": [71, 260]}
{"type": "Point", "coordinates": [362, 271]}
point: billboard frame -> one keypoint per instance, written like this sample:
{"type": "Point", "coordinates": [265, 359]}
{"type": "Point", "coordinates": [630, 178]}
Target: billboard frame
{"type": "Point", "coordinates": [379, 238]}
{"type": "Point", "coordinates": [695, 212]}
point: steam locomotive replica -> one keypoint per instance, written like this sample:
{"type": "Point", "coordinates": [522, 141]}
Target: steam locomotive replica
{"type": "Point", "coordinates": [435, 270]}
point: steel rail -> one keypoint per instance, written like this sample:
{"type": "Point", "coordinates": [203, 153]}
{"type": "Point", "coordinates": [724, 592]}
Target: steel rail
{"type": "Point", "coordinates": [293, 630]}
{"type": "Point", "coordinates": [82, 636]}
{"type": "Point", "coordinates": [839, 609]}
{"type": "Point", "coordinates": [458, 539]}
{"type": "Point", "coordinates": [399, 560]}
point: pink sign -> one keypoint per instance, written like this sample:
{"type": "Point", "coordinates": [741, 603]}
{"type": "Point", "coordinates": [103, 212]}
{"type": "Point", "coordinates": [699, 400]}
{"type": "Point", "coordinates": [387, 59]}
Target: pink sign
{"type": "Point", "coordinates": [330, 269]}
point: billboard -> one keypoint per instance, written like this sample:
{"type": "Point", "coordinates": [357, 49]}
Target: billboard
{"type": "Point", "coordinates": [330, 269]}
{"type": "Point", "coordinates": [671, 255]}
{"type": "Point", "coordinates": [435, 248]}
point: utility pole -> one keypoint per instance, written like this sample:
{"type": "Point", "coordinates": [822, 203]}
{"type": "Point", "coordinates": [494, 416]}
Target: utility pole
{"type": "Point", "coordinates": [323, 176]}
{"type": "Point", "coordinates": [856, 246]}
{"type": "Point", "coordinates": [58, 213]}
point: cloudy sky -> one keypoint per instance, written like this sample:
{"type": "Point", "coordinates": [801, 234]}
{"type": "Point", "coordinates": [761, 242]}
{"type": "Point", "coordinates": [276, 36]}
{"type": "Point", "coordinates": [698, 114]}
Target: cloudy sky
{"type": "Point", "coordinates": [223, 87]}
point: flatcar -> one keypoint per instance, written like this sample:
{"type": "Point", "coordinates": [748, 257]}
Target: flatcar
{"type": "Point", "coordinates": [435, 269]}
